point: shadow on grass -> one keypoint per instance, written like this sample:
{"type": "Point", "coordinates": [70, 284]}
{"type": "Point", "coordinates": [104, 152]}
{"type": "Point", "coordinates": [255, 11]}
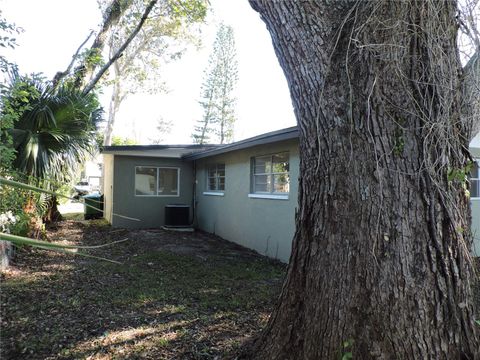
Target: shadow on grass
{"type": "Point", "coordinates": [158, 304]}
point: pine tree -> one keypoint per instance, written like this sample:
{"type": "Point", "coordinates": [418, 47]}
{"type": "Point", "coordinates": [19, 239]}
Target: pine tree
{"type": "Point", "coordinates": [217, 98]}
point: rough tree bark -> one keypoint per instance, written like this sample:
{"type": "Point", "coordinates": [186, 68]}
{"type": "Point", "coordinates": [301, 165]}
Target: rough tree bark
{"type": "Point", "coordinates": [119, 52]}
{"type": "Point", "coordinates": [381, 253]}
{"type": "Point", "coordinates": [114, 106]}
{"type": "Point", "coordinates": [111, 15]}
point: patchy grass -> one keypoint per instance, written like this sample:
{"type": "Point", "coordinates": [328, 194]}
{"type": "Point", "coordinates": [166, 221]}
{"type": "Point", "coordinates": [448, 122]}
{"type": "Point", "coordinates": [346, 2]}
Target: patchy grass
{"type": "Point", "coordinates": [190, 296]}
{"type": "Point", "coordinates": [73, 216]}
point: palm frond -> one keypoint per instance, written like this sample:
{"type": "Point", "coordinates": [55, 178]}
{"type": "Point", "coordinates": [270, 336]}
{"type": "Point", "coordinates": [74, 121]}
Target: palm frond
{"type": "Point", "coordinates": [45, 245]}
{"type": "Point", "coordinates": [57, 130]}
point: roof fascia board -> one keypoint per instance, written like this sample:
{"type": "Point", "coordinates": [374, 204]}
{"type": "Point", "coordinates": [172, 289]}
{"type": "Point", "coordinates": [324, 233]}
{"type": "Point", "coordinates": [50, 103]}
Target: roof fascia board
{"type": "Point", "coordinates": [143, 154]}
{"type": "Point", "coordinates": [280, 135]}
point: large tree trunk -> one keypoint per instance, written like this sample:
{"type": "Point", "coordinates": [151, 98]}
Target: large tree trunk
{"type": "Point", "coordinates": [381, 263]}
{"type": "Point", "coordinates": [115, 101]}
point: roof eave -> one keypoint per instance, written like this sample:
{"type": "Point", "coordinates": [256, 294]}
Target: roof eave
{"type": "Point", "coordinates": [268, 138]}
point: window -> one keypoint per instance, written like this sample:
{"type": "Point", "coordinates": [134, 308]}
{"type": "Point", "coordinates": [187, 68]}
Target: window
{"type": "Point", "coordinates": [153, 181]}
{"type": "Point", "coordinates": [271, 174]}
{"type": "Point", "coordinates": [474, 181]}
{"type": "Point", "coordinates": [216, 177]}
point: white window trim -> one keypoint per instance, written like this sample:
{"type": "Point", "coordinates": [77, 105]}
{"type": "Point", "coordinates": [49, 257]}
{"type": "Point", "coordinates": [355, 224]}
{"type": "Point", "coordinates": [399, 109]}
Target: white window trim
{"type": "Point", "coordinates": [477, 178]}
{"type": "Point", "coordinates": [208, 191]}
{"type": "Point", "coordinates": [268, 196]}
{"type": "Point", "coordinates": [214, 193]}
{"type": "Point", "coordinates": [157, 167]}
{"type": "Point", "coordinates": [273, 194]}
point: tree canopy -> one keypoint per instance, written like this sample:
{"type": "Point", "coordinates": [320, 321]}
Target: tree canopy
{"type": "Point", "coordinates": [169, 28]}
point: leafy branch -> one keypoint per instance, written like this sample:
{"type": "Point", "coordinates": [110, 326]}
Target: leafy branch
{"type": "Point", "coordinates": [119, 52]}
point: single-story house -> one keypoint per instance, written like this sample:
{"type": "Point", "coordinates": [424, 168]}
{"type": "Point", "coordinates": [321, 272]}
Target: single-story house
{"type": "Point", "coordinates": [245, 192]}
{"type": "Point", "coordinates": [475, 193]}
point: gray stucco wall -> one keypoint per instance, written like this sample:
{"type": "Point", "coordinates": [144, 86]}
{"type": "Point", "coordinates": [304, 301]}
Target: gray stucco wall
{"type": "Point", "coordinates": [265, 225]}
{"type": "Point", "coordinates": [475, 206]}
{"type": "Point", "coordinates": [475, 152]}
{"type": "Point", "coordinates": [150, 210]}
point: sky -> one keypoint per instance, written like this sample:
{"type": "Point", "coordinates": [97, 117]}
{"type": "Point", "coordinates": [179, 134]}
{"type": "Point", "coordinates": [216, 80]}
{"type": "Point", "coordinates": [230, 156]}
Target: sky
{"type": "Point", "coordinates": [53, 30]}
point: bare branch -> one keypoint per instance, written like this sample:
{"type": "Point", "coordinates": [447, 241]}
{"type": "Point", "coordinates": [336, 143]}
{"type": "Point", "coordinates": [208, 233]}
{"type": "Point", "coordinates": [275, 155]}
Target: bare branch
{"type": "Point", "coordinates": [119, 52]}
{"type": "Point", "coordinates": [61, 74]}
{"type": "Point", "coordinates": [111, 16]}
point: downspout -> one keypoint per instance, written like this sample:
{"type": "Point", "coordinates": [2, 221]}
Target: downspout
{"type": "Point", "coordinates": [194, 199]}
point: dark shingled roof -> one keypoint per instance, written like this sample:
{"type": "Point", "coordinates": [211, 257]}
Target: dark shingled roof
{"type": "Point", "coordinates": [197, 147]}
{"type": "Point", "coordinates": [199, 151]}
{"type": "Point", "coordinates": [267, 138]}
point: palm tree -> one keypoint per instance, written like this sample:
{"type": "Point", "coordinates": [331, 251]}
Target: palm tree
{"type": "Point", "coordinates": [55, 133]}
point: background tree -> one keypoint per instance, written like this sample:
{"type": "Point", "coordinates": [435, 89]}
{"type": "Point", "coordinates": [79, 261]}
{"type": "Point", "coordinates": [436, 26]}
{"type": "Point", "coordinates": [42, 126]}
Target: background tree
{"type": "Point", "coordinates": [163, 127]}
{"type": "Point", "coordinates": [7, 39]}
{"type": "Point", "coordinates": [117, 140]}
{"type": "Point", "coordinates": [14, 101]}
{"type": "Point", "coordinates": [161, 39]}
{"type": "Point", "coordinates": [218, 100]}
{"type": "Point", "coordinates": [90, 59]}
{"type": "Point", "coordinates": [380, 265]}
{"type": "Point", "coordinates": [11, 201]}
{"type": "Point", "coordinates": [88, 65]}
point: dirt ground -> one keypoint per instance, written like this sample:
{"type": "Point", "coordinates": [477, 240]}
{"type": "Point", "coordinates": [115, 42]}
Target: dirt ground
{"type": "Point", "coordinates": [175, 296]}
